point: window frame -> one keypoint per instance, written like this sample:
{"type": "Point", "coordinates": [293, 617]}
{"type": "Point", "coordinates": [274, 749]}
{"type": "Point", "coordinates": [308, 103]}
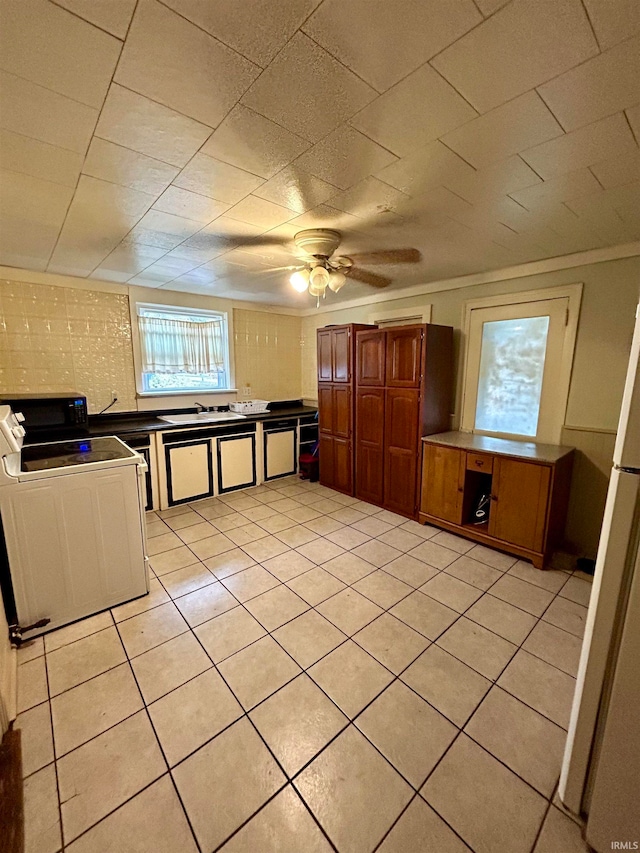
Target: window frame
{"type": "Point", "coordinates": [180, 310]}
{"type": "Point", "coordinates": [572, 292]}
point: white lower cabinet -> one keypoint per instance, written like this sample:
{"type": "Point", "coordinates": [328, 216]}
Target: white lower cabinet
{"type": "Point", "coordinates": [236, 462]}
{"type": "Point", "coordinates": [189, 468]}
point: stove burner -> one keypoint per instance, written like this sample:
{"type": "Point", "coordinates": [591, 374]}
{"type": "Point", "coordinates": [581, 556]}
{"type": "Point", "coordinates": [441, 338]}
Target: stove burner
{"type": "Point", "coordinates": [63, 454]}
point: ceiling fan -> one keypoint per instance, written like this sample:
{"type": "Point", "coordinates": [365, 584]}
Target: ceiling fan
{"type": "Point", "coordinates": [319, 270]}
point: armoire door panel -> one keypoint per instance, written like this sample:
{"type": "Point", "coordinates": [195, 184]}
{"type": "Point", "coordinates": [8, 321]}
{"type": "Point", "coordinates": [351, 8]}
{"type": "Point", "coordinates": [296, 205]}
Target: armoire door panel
{"type": "Point", "coordinates": [370, 358]}
{"type": "Point", "coordinates": [403, 351]}
{"type": "Point", "coordinates": [401, 418]}
{"type": "Point", "coordinates": [325, 360]}
{"type": "Point", "coordinates": [341, 406]}
{"type": "Point", "coordinates": [341, 348]}
{"type": "Point", "coordinates": [325, 408]}
{"type": "Point", "coordinates": [327, 466]}
{"type": "Point", "coordinates": [370, 444]}
{"type": "Point", "coordinates": [400, 481]}
{"type": "Point", "coordinates": [342, 465]}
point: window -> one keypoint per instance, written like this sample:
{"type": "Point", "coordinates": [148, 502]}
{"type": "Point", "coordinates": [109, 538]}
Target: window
{"type": "Point", "coordinates": [518, 363]}
{"type": "Point", "coordinates": [182, 349]}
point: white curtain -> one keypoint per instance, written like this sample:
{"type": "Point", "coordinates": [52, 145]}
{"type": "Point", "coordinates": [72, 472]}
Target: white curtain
{"type": "Point", "coordinates": [181, 346]}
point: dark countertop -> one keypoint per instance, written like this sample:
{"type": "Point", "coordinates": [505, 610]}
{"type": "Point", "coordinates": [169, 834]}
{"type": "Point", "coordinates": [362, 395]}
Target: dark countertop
{"type": "Point", "coordinates": [549, 453]}
{"type": "Point", "coordinates": [133, 422]}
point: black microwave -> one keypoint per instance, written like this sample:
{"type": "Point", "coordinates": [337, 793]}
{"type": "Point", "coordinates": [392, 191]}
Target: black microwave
{"type": "Point", "coordinates": [50, 414]}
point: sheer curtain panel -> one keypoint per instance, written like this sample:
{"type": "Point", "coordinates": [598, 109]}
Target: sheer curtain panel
{"type": "Point", "coordinates": [181, 346]}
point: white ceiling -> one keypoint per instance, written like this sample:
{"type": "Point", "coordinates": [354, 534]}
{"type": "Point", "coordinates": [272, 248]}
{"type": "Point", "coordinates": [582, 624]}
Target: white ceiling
{"type": "Point", "coordinates": [135, 135]}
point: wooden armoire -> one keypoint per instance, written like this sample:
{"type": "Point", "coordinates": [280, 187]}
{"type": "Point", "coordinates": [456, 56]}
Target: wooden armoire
{"type": "Point", "coordinates": [404, 384]}
{"type": "Point", "coordinates": [336, 380]}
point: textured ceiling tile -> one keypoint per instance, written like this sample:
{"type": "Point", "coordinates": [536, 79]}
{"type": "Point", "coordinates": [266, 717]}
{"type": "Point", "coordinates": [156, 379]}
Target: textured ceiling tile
{"type": "Point", "coordinates": [127, 260]}
{"type": "Point", "coordinates": [320, 92]}
{"type": "Point", "coordinates": [383, 42]}
{"type": "Point", "coordinates": [608, 137]}
{"type": "Point", "coordinates": [111, 162]}
{"type": "Point", "coordinates": [173, 62]}
{"type": "Point", "coordinates": [135, 122]}
{"type": "Point", "coordinates": [613, 20]}
{"type": "Point", "coordinates": [31, 200]}
{"type": "Point", "coordinates": [426, 167]}
{"type": "Point", "coordinates": [416, 111]}
{"type": "Point", "coordinates": [327, 217]}
{"type": "Point", "coordinates": [345, 157]}
{"type": "Point", "coordinates": [190, 205]}
{"type": "Point", "coordinates": [216, 179]}
{"type": "Point", "coordinates": [163, 230]}
{"type": "Point", "coordinates": [493, 181]}
{"type": "Point", "coordinates": [562, 188]}
{"type": "Point", "coordinates": [114, 16]}
{"type": "Point", "coordinates": [598, 88]}
{"type": "Point", "coordinates": [46, 45]}
{"type": "Point", "coordinates": [41, 114]}
{"type": "Point", "coordinates": [258, 29]}
{"type": "Point", "coordinates": [99, 217]}
{"type": "Point", "coordinates": [509, 129]}
{"type": "Point", "coordinates": [633, 115]}
{"type": "Point", "coordinates": [260, 212]}
{"type": "Point", "coordinates": [39, 159]}
{"type": "Point", "coordinates": [368, 198]}
{"type": "Point", "coordinates": [254, 143]}
{"type": "Point", "coordinates": [488, 7]}
{"type": "Point", "coordinates": [167, 268]}
{"type": "Point", "coordinates": [618, 171]}
{"type": "Point", "coordinates": [296, 189]}
{"type": "Point", "coordinates": [524, 44]}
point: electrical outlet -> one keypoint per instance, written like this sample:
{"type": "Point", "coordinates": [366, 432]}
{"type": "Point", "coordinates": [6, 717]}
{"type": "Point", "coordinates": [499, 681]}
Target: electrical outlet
{"type": "Point", "coordinates": [114, 395]}
{"type": "Point", "coordinates": [246, 391]}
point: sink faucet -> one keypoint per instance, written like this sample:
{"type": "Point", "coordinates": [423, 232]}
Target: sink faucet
{"type": "Point", "coordinates": [200, 407]}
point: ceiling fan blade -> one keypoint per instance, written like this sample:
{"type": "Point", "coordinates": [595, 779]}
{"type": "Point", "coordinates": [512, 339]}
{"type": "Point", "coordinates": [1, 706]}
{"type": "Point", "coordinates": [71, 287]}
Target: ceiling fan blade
{"type": "Point", "coordinates": [388, 256]}
{"type": "Point", "coordinates": [370, 278]}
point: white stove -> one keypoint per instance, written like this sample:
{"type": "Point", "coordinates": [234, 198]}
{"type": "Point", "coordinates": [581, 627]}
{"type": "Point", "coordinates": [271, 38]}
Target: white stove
{"type": "Point", "coordinates": [72, 527]}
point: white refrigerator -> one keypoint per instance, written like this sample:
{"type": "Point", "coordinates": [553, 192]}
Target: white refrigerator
{"type": "Point", "coordinates": [601, 769]}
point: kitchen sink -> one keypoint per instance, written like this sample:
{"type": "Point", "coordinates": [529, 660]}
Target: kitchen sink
{"type": "Point", "coordinates": [201, 418]}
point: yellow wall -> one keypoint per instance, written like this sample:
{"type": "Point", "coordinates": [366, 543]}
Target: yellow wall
{"type": "Point", "coordinates": [77, 336]}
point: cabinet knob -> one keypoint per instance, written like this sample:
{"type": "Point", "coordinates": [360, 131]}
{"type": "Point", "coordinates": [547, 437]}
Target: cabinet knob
{"type": "Point", "coordinates": [460, 489]}
{"type": "Point", "coordinates": [493, 497]}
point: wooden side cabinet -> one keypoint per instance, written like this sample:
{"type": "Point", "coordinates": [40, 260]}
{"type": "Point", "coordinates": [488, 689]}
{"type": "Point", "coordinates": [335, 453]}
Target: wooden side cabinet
{"type": "Point", "coordinates": [528, 495]}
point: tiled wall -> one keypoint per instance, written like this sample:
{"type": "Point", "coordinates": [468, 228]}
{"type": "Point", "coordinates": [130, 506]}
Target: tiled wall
{"type": "Point", "coordinates": [60, 339]}
{"type": "Point", "coordinates": [267, 354]}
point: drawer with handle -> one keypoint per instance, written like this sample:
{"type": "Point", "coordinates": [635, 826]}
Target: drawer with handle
{"type": "Point", "coordinates": [479, 462]}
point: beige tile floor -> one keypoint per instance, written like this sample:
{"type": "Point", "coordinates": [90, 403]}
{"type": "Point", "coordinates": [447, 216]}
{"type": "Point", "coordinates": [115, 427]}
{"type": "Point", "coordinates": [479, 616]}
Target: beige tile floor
{"type": "Point", "coordinates": [308, 673]}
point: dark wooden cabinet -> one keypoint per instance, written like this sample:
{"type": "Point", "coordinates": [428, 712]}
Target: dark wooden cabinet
{"type": "Point", "coordinates": [370, 444]}
{"type": "Point", "coordinates": [528, 496]}
{"type": "Point", "coordinates": [336, 359]}
{"type": "Point", "coordinates": [371, 358]}
{"type": "Point", "coordinates": [403, 391]}
{"type": "Point", "coordinates": [403, 356]}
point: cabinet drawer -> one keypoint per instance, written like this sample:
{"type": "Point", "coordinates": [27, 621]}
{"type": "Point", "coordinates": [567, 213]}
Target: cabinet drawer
{"type": "Point", "coordinates": [480, 462]}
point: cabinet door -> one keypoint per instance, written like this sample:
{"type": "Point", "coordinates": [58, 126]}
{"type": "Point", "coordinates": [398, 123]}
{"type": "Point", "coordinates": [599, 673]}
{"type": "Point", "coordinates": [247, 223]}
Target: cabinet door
{"type": "Point", "coordinates": [342, 466]}
{"type": "Point", "coordinates": [442, 482]}
{"type": "Point", "coordinates": [236, 462]}
{"type": "Point", "coordinates": [401, 450]}
{"type": "Point", "coordinates": [189, 471]}
{"type": "Point", "coordinates": [341, 406]}
{"type": "Point", "coordinates": [370, 358]}
{"type": "Point", "coordinates": [325, 408]}
{"type": "Point", "coordinates": [370, 444]}
{"type": "Point", "coordinates": [404, 351]}
{"type": "Point", "coordinates": [325, 370]}
{"type": "Point", "coordinates": [520, 491]}
{"type": "Point", "coordinates": [279, 453]}
{"type": "Point", "coordinates": [326, 460]}
{"type": "Point", "coordinates": [341, 350]}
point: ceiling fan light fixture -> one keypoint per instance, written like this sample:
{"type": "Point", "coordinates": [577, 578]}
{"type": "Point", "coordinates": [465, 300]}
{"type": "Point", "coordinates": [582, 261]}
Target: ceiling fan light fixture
{"type": "Point", "coordinates": [316, 289]}
{"type": "Point", "coordinates": [300, 280]}
{"type": "Point", "coordinates": [337, 280]}
{"type": "Point", "coordinates": [318, 277]}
